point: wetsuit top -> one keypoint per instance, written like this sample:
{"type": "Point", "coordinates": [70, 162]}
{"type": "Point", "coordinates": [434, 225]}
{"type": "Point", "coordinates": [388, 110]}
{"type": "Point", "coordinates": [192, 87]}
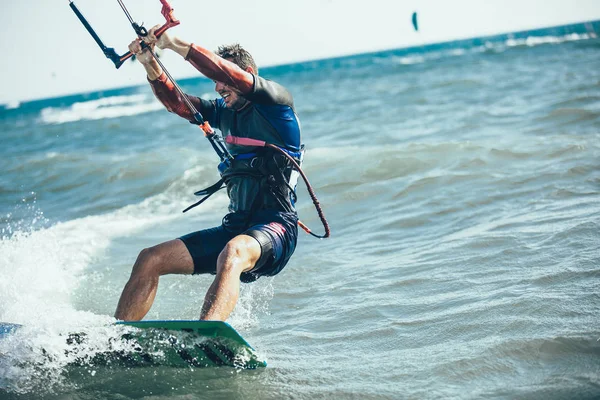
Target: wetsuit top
{"type": "Point", "coordinates": [270, 116]}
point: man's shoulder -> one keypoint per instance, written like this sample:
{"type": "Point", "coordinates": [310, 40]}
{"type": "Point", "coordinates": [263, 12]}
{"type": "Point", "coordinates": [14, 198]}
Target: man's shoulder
{"type": "Point", "coordinates": [269, 92]}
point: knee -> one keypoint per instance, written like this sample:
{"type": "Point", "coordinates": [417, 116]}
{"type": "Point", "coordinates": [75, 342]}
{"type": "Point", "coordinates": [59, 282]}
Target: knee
{"type": "Point", "coordinates": [235, 257]}
{"type": "Point", "coordinates": [148, 261]}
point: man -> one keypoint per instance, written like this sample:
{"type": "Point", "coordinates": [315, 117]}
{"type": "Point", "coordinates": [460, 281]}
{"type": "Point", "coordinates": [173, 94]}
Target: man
{"type": "Point", "coordinates": [259, 234]}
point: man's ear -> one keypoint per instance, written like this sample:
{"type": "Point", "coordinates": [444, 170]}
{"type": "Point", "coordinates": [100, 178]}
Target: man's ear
{"type": "Point", "coordinates": [251, 70]}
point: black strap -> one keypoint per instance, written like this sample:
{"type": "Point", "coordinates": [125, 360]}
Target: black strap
{"type": "Point", "coordinates": [209, 191]}
{"type": "Point", "coordinates": [272, 181]}
{"type": "Point", "coordinates": [272, 178]}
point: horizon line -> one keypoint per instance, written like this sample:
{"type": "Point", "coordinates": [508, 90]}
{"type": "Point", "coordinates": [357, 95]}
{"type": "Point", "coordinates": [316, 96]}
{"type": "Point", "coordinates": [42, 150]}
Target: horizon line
{"type": "Point", "coordinates": [498, 37]}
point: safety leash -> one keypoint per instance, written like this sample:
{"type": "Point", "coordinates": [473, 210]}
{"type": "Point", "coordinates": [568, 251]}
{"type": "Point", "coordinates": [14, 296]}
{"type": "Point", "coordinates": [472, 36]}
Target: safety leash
{"type": "Point", "coordinates": [240, 141]}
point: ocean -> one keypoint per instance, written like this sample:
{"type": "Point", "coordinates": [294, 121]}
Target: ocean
{"type": "Point", "coordinates": [461, 182]}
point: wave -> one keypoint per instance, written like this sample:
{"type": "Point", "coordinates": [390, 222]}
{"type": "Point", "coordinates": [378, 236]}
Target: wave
{"type": "Point", "coordinates": [408, 60]}
{"type": "Point", "coordinates": [44, 269]}
{"type": "Point", "coordinates": [57, 254]}
{"type": "Point", "coordinates": [31, 258]}
{"type": "Point", "coordinates": [420, 55]}
{"type": "Point", "coordinates": [539, 40]}
{"type": "Point", "coordinates": [104, 108]}
{"type": "Point", "coordinates": [11, 105]}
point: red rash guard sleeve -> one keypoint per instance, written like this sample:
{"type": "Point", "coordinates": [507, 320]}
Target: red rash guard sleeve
{"type": "Point", "coordinates": [218, 69]}
{"type": "Point", "coordinates": [165, 92]}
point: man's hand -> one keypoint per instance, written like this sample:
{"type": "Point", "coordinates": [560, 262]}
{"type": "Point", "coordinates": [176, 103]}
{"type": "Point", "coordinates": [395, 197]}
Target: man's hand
{"type": "Point", "coordinates": [163, 42]}
{"type": "Point", "coordinates": [143, 56]}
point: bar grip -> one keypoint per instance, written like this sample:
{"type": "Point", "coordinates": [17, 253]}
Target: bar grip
{"type": "Point", "coordinates": [242, 141]}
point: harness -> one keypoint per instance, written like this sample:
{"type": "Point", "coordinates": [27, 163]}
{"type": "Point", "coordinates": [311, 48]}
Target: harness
{"type": "Point", "coordinates": [277, 177]}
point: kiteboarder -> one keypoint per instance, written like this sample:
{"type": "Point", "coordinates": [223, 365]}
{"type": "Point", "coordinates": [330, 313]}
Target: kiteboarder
{"type": "Point", "coordinates": [258, 235]}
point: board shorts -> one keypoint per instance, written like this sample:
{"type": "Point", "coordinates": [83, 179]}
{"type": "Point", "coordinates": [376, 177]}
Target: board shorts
{"type": "Point", "coordinates": [276, 232]}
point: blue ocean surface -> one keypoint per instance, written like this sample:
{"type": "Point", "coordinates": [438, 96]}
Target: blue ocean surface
{"type": "Point", "coordinates": [462, 185]}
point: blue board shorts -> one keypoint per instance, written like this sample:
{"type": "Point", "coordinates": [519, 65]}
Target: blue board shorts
{"type": "Point", "coordinates": [276, 232]}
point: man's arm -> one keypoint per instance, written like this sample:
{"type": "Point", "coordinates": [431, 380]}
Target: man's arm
{"type": "Point", "coordinates": [164, 89]}
{"type": "Point", "coordinates": [165, 92]}
{"type": "Point", "coordinates": [208, 63]}
{"type": "Point", "coordinates": [218, 69]}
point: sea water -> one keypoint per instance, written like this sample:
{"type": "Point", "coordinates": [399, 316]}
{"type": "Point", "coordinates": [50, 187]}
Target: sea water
{"type": "Point", "coordinates": [462, 185]}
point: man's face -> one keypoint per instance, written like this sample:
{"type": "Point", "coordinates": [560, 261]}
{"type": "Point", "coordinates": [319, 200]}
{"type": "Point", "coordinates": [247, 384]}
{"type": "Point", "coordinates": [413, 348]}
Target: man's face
{"type": "Point", "coordinates": [233, 97]}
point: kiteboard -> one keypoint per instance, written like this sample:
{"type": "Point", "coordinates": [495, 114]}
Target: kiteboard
{"type": "Point", "coordinates": [167, 343]}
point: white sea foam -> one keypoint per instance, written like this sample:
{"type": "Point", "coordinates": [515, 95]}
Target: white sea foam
{"type": "Point", "coordinates": [104, 108]}
{"type": "Point", "coordinates": [42, 269]}
{"type": "Point", "coordinates": [12, 105]}
{"type": "Point", "coordinates": [530, 41]}
{"type": "Point", "coordinates": [409, 60]}
{"type": "Point", "coordinates": [539, 40]}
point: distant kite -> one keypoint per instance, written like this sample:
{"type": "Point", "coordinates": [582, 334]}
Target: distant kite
{"type": "Point", "coordinates": [414, 21]}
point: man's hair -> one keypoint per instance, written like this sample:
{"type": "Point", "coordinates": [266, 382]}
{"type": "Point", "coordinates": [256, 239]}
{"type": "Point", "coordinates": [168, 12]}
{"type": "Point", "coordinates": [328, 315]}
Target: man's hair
{"type": "Point", "coordinates": [238, 55]}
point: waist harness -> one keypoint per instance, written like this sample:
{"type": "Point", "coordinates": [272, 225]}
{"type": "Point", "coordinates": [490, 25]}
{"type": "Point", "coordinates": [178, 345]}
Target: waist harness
{"type": "Point", "coordinates": [277, 178]}
{"type": "Point", "coordinates": [275, 174]}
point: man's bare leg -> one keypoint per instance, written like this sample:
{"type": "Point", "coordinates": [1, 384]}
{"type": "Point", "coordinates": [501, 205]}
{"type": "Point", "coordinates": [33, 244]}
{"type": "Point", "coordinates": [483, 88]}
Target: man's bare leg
{"type": "Point", "coordinates": [171, 257]}
{"type": "Point", "coordinates": [239, 255]}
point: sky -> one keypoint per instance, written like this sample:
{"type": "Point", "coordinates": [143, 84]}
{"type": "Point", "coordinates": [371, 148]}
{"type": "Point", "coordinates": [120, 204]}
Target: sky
{"type": "Point", "coordinates": [46, 51]}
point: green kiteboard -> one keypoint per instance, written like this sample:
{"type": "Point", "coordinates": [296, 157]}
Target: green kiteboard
{"type": "Point", "coordinates": [167, 343]}
{"type": "Point", "coordinates": [186, 343]}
